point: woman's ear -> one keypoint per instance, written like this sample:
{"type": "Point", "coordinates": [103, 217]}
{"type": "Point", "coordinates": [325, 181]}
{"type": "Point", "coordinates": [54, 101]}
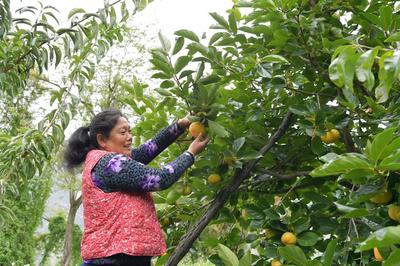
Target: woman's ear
{"type": "Point", "coordinates": [101, 140]}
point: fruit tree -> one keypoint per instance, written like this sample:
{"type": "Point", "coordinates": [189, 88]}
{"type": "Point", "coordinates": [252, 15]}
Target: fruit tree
{"type": "Point", "coordinates": [303, 98]}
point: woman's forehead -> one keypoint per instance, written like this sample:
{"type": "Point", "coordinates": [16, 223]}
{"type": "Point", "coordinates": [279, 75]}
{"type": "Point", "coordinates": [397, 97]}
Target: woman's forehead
{"type": "Point", "coordinates": [122, 122]}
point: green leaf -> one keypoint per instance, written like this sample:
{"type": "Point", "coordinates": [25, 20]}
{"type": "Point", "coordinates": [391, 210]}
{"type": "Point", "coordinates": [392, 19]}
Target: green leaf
{"type": "Point", "coordinates": [293, 254]}
{"type": "Point", "coordinates": [384, 237]}
{"type": "Point", "coordinates": [246, 260]}
{"type": "Point", "coordinates": [393, 259]}
{"type": "Point", "coordinates": [181, 62]}
{"type": "Point", "coordinates": [228, 257]}
{"type": "Point", "coordinates": [178, 45]}
{"type": "Point", "coordinates": [378, 145]}
{"type": "Point", "coordinates": [238, 143]}
{"type": "Point", "coordinates": [343, 164]}
{"type": "Point", "coordinates": [188, 35]}
{"type": "Point", "coordinates": [167, 84]}
{"type": "Point", "coordinates": [75, 11]}
{"type": "Point", "coordinates": [395, 37]}
{"type": "Point", "coordinates": [386, 16]}
{"type": "Point", "coordinates": [273, 58]}
{"type": "Point", "coordinates": [221, 20]}
{"type": "Point", "coordinates": [198, 47]}
{"type": "Point", "coordinates": [217, 129]}
{"type": "Point", "coordinates": [389, 70]}
{"type": "Point", "coordinates": [363, 68]}
{"type": "Point", "coordinates": [329, 252]}
{"type": "Point", "coordinates": [165, 43]}
{"type": "Point", "coordinates": [308, 239]}
{"type": "Point", "coordinates": [232, 22]}
{"type": "Point", "coordinates": [391, 163]}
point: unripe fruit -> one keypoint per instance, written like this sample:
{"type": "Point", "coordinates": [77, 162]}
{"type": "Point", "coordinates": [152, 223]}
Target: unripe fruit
{"type": "Point", "coordinates": [377, 255]}
{"type": "Point", "coordinates": [187, 190]}
{"type": "Point", "coordinates": [214, 179]}
{"type": "Point", "coordinates": [275, 262]}
{"type": "Point", "coordinates": [165, 221]}
{"type": "Point", "coordinates": [382, 198]}
{"type": "Point", "coordinates": [394, 213]}
{"type": "Point", "coordinates": [269, 234]}
{"type": "Point", "coordinates": [288, 238]}
{"type": "Point", "coordinates": [196, 129]}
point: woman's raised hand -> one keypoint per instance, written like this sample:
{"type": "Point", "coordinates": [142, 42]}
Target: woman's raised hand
{"type": "Point", "coordinates": [198, 144]}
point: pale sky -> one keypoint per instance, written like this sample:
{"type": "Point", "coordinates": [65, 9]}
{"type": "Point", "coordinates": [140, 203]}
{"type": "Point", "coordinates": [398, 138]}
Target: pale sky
{"type": "Point", "coordinates": [167, 15]}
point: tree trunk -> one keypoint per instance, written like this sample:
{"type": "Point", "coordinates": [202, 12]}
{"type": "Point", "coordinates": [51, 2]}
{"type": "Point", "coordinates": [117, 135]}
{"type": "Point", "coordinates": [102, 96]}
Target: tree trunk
{"type": "Point", "coordinates": [240, 174]}
{"type": "Point", "coordinates": [67, 250]}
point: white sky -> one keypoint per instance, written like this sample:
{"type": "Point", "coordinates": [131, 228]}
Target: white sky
{"type": "Point", "coordinates": [167, 15]}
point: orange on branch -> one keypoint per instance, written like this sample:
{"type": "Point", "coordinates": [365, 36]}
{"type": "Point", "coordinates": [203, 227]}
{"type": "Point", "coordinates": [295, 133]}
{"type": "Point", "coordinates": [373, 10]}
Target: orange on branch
{"type": "Point", "coordinates": [196, 128]}
{"type": "Point", "coordinates": [377, 255]}
{"type": "Point", "coordinates": [288, 238]}
{"type": "Point", "coordinates": [276, 262]}
{"type": "Point", "coordinates": [394, 213]}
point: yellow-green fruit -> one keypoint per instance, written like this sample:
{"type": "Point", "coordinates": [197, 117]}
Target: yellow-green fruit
{"type": "Point", "coordinates": [377, 255]}
{"type": "Point", "coordinates": [269, 234]}
{"type": "Point", "coordinates": [335, 134]}
{"type": "Point", "coordinates": [288, 238]}
{"type": "Point", "coordinates": [382, 198]}
{"type": "Point", "coordinates": [275, 262]}
{"type": "Point", "coordinates": [327, 138]}
{"type": "Point", "coordinates": [165, 221]}
{"type": "Point", "coordinates": [196, 129]}
{"type": "Point", "coordinates": [187, 190]}
{"type": "Point", "coordinates": [394, 213]}
{"type": "Point", "coordinates": [214, 179]}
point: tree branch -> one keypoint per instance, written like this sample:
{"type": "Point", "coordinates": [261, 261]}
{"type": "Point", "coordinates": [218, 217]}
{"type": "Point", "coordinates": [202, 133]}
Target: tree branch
{"type": "Point", "coordinates": [240, 174]}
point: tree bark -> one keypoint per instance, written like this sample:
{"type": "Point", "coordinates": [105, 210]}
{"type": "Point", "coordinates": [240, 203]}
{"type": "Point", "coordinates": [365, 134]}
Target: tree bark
{"type": "Point", "coordinates": [67, 250]}
{"type": "Point", "coordinates": [240, 174]}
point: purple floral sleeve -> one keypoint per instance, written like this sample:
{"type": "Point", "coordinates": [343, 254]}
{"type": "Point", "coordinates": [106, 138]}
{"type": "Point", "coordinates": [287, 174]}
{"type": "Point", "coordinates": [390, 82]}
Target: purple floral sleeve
{"type": "Point", "coordinates": [116, 172]}
{"type": "Point", "coordinates": [146, 152]}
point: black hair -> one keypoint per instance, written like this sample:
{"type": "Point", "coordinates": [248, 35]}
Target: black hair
{"type": "Point", "coordinates": [84, 139]}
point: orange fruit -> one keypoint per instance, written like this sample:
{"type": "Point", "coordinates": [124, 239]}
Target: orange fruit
{"type": "Point", "coordinates": [394, 212]}
{"type": "Point", "coordinates": [382, 198]}
{"type": "Point", "coordinates": [187, 190]}
{"type": "Point", "coordinates": [275, 262]}
{"type": "Point", "coordinates": [214, 179]}
{"type": "Point", "coordinates": [196, 128]}
{"type": "Point", "coordinates": [377, 255]}
{"type": "Point", "coordinates": [288, 238]}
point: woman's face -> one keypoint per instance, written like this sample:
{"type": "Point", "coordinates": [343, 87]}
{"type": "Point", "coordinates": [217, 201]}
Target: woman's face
{"type": "Point", "coordinates": [119, 140]}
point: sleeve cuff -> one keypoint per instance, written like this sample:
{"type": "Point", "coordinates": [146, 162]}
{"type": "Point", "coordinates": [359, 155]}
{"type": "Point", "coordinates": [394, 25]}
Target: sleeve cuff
{"type": "Point", "coordinates": [190, 154]}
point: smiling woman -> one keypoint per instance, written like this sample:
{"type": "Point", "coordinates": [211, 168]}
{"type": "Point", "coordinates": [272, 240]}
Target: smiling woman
{"type": "Point", "coordinates": [120, 222]}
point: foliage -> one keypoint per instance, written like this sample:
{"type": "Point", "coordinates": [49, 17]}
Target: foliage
{"type": "Point", "coordinates": [30, 137]}
{"type": "Point", "coordinates": [334, 64]}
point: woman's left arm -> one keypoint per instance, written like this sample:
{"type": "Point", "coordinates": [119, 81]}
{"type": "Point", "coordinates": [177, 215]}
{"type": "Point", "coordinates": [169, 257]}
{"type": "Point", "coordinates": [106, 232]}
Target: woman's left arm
{"type": "Point", "coordinates": [146, 152]}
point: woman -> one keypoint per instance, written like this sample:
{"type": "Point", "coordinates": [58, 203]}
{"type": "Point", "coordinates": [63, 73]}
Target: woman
{"type": "Point", "coordinates": [120, 222]}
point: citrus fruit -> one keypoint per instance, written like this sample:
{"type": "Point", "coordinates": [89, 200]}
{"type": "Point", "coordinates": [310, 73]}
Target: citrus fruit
{"type": "Point", "coordinates": [394, 212]}
{"type": "Point", "coordinates": [187, 190]}
{"type": "Point", "coordinates": [214, 179]}
{"type": "Point", "coordinates": [335, 134]}
{"type": "Point", "coordinates": [196, 129]}
{"type": "Point", "coordinates": [381, 198]}
{"type": "Point", "coordinates": [275, 262]}
{"type": "Point", "coordinates": [377, 255]}
{"type": "Point", "coordinates": [288, 238]}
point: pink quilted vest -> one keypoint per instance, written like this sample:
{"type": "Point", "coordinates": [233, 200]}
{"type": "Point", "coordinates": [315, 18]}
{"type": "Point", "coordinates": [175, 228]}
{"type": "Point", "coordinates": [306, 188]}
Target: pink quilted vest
{"type": "Point", "coordinates": [117, 222]}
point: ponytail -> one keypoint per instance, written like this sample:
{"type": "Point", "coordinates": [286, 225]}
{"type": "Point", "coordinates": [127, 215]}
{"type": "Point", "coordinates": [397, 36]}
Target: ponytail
{"type": "Point", "coordinates": [79, 144]}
